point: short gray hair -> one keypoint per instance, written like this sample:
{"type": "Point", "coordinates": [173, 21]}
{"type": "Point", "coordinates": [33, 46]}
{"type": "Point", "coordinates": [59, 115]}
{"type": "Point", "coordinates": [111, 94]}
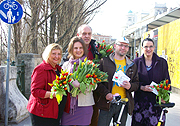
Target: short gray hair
{"type": "Point", "coordinates": [82, 26]}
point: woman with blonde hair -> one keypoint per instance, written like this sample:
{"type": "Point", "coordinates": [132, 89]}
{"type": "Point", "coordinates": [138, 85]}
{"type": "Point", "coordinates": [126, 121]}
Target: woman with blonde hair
{"type": "Point", "coordinates": [43, 110]}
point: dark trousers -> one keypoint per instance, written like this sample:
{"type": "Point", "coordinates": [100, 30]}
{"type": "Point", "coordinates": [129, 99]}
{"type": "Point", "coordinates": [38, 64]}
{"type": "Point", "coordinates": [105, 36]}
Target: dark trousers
{"type": "Point", "coordinates": [94, 119]}
{"type": "Point", "coordinates": [106, 116]}
{"type": "Point", "coordinates": [41, 121]}
{"type": "Point", "coordinates": [76, 125]}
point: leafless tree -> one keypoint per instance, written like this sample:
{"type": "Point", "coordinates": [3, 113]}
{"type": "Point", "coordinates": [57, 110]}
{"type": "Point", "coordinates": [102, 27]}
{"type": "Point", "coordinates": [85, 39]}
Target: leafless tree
{"type": "Point", "coordinates": [48, 21]}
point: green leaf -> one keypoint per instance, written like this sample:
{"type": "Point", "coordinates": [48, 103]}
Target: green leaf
{"type": "Point", "coordinates": [51, 95]}
{"type": "Point", "coordinates": [91, 87]}
{"type": "Point", "coordinates": [166, 98]}
{"type": "Point", "coordinates": [59, 97]}
{"type": "Point", "coordinates": [74, 92]}
{"type": "Point", "coordinates": [83, 87]}
{"type": "Point", "coordinates": [103, 53]}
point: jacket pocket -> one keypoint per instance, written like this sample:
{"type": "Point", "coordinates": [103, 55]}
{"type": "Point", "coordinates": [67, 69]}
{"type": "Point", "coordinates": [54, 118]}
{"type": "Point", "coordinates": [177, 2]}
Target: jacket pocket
{"type": "Point", "coordinates": [48, 109]}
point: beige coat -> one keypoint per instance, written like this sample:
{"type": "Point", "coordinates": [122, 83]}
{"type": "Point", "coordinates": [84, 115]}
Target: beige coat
{"type": "Point", "coordinates": [83, 100]}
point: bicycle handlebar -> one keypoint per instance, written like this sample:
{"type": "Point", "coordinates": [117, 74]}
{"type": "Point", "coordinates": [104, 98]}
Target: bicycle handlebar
{"type": "Point", "coordinates": [117, 100]}
{"type": "Point", "coordinates": [166, 105]}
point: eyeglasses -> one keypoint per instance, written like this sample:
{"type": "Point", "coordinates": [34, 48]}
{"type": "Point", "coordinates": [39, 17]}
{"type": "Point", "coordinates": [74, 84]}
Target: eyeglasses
{"type": "Point", "coordinates": [121, 45]}
{"type": "Point", "coordinates": [146, 47]}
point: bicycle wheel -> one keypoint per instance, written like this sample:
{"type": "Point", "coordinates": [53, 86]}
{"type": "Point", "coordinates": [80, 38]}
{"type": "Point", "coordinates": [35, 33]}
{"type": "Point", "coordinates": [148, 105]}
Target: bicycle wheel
{"type": "Point", "coordinates": [6, 5]}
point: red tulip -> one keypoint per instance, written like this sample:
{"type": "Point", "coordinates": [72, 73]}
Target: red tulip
{"type": "Point", "coordinates": [66, 73]}
{"type": "Point", "coordinates": [108, 50]}
{"type": "Point", "coordinates": [70, 80]}
{"type": "Point", "coordinates": [167, 81]}
{"type": "Point", "coordinates": [161, 85]}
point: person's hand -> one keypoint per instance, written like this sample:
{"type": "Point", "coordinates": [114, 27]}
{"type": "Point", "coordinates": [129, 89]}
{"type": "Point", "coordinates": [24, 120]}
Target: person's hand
{"type": "Point", "coordinates": [146, 88]}
{"type": "Point", "coordinates": [162, 101]}
{"type": "Point", "coordinates": [109, 97]}
{"type": "Point", "coordinates": [126, 85]}
{"type": "Point", "coordinates": [49, 94]}
{"type": "Point", "coordinates": [54, 94]}
{"type": "Point", "coordinates": [76, 83]}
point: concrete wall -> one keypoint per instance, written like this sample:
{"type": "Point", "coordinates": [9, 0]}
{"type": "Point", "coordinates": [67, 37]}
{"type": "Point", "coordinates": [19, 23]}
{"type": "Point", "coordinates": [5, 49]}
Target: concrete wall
{"type": "Point", "coordinates": [17, 102]}
{"type": "Point", "coordinates": [31, 61]}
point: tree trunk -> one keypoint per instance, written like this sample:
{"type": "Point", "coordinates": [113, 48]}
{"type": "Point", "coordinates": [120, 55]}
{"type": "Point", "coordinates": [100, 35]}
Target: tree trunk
{"type": "Point", "coordinates": [17, 37]}
{"type": "Point", "coordinates": [34, 29]}
{"type": "Point", "coordinates": [53, 3]}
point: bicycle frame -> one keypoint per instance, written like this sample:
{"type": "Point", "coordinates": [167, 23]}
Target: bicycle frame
{"type": "Point", "coordinates": [164, 106]}
{"type": "Point", "coordinates": [123, 101]}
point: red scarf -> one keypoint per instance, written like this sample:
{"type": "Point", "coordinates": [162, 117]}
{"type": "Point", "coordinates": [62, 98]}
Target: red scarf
{"type": "Point", "coordinates": [90, 55]}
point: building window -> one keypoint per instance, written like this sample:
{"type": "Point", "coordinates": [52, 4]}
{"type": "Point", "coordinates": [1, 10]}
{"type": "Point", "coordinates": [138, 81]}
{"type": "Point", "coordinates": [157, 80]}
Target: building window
{"type": "Point", "coordinates": [129, 19]}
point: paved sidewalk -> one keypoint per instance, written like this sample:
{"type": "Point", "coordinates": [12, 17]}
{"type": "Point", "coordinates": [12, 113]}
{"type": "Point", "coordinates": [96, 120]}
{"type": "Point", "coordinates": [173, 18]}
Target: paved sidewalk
{"type": "Point", "coordinates": [172, 117]}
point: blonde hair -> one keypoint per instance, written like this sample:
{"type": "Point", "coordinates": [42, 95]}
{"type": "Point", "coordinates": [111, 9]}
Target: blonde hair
{"type": "Point", "coordinates": [71, 45]}
{"type": "Point", "coordinates": [47, 51]}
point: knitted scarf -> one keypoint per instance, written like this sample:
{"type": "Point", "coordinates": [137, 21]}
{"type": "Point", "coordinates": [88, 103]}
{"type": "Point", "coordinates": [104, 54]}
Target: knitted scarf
{"type": "Point", "coordinates": [73, 101]}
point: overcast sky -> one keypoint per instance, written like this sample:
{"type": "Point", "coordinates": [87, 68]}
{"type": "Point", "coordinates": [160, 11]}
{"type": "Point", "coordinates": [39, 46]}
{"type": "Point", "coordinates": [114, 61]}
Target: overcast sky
{"type": "Point", "coordinates": [112, 14]}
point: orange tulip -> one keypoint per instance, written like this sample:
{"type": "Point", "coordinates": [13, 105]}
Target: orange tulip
{"type": "Point", "coordinates": [167, 81]}
{"type": "Point", "coordinates": [165, 87]}
{"type": "Point", "coordinates": [50, 84]}
{"type": "Point", "coordinates": [58, 78]}
{"type": "Point", "coordinates": [161, 85]}
{"type": "Point", "coordinates": [64, 82]}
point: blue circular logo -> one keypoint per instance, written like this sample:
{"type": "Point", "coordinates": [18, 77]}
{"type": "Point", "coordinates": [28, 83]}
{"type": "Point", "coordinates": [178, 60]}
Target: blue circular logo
{"type": "Point", "coordinates": [10, 11]}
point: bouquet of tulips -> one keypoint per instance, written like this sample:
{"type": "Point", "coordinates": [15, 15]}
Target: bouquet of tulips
{"type": "Point", "coordinates": [60, 85]}
{"type": "Point", "coordinates": [88, 75]}
{"type": "Point", "coordinates": [104, 50]}
{"type": "Point", "coordinates": [163, 91]}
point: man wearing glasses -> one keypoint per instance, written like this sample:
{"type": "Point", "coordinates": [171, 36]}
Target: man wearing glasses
{"type": "Point", "coordinates": [117, 61]}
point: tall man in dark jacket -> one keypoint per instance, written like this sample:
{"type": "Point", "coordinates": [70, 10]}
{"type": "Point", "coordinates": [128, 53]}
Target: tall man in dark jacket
{"type": "Point", "coordinates": [115, 62]}
{"type": "Point", "coordinates": [85, 32]}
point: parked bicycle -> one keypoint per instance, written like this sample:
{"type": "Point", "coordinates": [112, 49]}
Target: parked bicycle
{"type": "Point", "coordinates": [117, 100]}
{"type": "Point", "coordinates": [164, 110]}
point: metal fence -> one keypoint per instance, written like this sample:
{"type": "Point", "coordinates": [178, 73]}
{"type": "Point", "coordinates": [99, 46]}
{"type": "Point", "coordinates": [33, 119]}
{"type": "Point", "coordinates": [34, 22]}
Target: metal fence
{"type": "Point", "coordinates": [20, 80]}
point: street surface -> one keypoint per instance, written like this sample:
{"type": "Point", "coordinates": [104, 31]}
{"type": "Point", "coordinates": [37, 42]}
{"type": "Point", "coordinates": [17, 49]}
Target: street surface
{"type": "Point", "coordinates": [172, 117]}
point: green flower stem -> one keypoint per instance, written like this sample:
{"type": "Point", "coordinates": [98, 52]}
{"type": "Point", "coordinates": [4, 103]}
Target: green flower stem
{"type": "Point", "coordinates": [159, 100]}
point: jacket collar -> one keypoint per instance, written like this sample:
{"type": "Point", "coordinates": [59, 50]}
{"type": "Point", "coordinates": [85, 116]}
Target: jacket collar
{"type": "Point", "coordinates": [47, 66]}
{"type": "Point", "coordinates": [155, 57]}
{"type": "Point", "coordinates": [128, 61]}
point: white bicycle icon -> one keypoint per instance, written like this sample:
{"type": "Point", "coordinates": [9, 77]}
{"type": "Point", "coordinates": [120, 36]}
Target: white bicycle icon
{"type": "Point", "coordinates": [10, 5]}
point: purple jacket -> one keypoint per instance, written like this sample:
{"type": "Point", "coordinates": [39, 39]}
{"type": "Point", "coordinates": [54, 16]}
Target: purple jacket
{"type": "Point", "coordinates": [159, 73]}
{"type": "Point", "coordinates": [159, 66]}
